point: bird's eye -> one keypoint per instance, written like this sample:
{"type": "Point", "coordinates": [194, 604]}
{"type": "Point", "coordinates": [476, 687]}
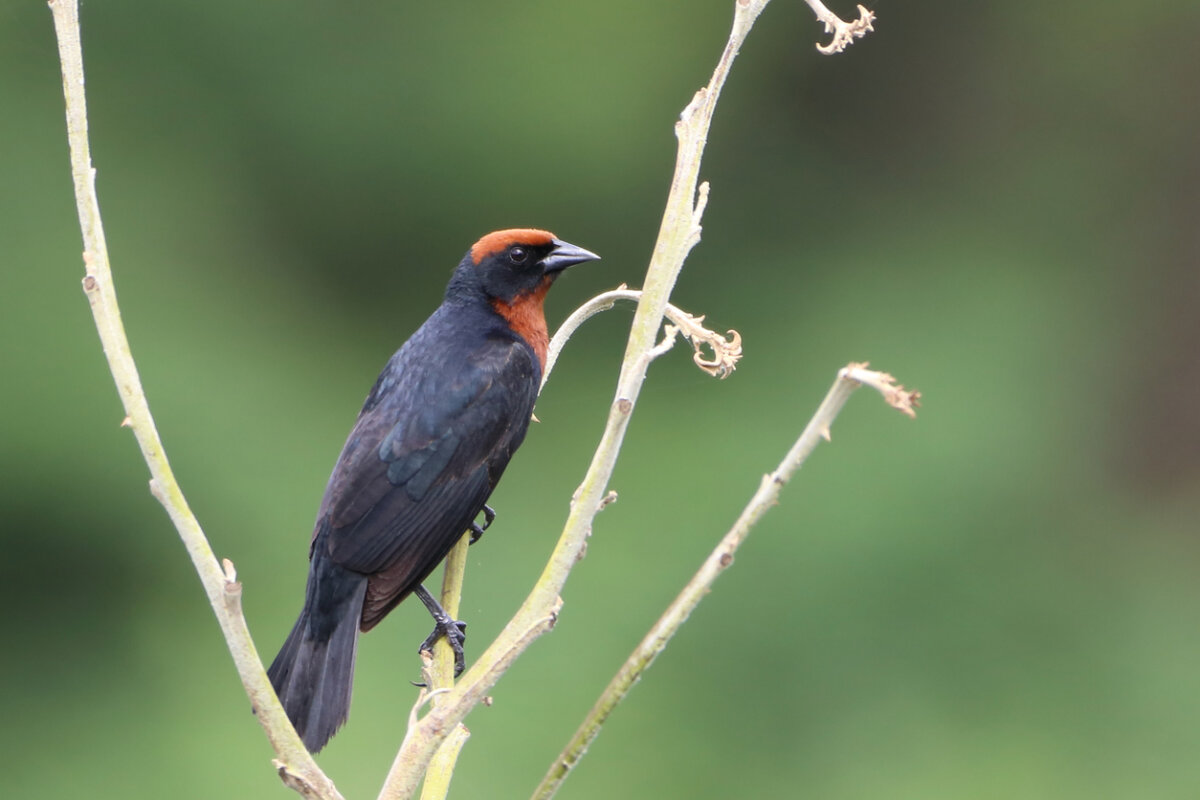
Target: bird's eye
{"type": "Point", "coordinates": [518, 255]}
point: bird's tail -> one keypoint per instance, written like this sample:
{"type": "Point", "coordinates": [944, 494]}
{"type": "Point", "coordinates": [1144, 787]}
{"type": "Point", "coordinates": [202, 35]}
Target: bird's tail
{"type": "Point", "coordinates": [314, 671]}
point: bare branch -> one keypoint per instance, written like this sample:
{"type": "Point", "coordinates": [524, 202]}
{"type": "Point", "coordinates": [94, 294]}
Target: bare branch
{"type": "Point", "coordinates": [294, 764]}
{"type": "Point", "coordinates": [679, 232]}
{"type": "Point", "coordinates": [655, 641]}
{"type": "Point", "coordinates": [438, 674]}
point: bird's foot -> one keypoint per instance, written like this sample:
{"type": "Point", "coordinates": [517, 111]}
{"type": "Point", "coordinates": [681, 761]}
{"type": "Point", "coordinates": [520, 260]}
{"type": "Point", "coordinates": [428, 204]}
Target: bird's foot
{"type": "Point", "coordinates": [455, 631]}
{"type": "Point", "coordinates": [489, 516]}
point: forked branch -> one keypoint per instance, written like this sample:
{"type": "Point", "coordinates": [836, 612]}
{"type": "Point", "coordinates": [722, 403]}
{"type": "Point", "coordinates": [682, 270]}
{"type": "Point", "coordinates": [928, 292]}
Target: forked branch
{"type": "Point", "coordinates": [295, 765]}
{"type": "Point", "coordinates": [849, 378]}
{"type": "Point", "coordinates": [679, 232]}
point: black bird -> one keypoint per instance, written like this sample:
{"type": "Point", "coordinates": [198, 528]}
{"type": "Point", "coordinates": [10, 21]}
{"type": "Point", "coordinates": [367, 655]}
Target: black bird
{"type": "Point", "coordinates": [433, 438]}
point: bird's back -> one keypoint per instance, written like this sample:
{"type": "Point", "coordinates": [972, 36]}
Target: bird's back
{"type": "Point", "coordinates": [431, 441]}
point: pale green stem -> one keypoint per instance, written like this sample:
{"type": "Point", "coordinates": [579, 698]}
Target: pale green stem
{"type": "Point", "coordinates": [296, 767]}
{"type": "Point", "coordinates": [441, 766]}
{"type": "Point", "coordinates": [441, 676]}
{"type": "Point", "coordinates": [701, 583]}
{"type": "Point", "coordinates": [679, 232]}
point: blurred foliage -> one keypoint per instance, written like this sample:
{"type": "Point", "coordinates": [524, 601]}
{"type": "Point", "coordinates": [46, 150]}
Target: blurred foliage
{"type": "Point", "coordinates": [996, 202]}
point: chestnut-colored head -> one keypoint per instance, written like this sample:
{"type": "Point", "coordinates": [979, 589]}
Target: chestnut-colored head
{"type": "Point", "coordinates": [513, 270]}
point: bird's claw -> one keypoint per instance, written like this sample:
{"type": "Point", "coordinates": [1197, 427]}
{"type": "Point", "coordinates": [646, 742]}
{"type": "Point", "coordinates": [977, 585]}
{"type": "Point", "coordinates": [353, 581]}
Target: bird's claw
{"type": "Point", "coordinates": [455, 632]}
{"type": "Point", "coordinates": [489, 516]}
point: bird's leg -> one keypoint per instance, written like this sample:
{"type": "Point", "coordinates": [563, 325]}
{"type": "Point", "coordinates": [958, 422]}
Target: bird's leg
{"type": "Point", "coordinates": [454, 630]}
{"type": "Point", "coordinates": [489, 516]}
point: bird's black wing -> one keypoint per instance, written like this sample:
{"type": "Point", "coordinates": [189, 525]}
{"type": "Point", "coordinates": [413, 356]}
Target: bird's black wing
{"type": "Point", "coordinates": [428, 447]}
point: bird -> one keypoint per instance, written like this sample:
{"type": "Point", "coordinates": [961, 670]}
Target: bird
{"type": "Point", "coordinates": [434, 436]}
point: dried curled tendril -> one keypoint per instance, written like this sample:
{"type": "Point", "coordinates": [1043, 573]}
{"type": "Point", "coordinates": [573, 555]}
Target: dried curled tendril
{"type": "Point", "coordinates": [726, 349]}
{"type": "Point", "coordinates": [844, 33]}
{"type": "Point", "coordinates": [715, 353]}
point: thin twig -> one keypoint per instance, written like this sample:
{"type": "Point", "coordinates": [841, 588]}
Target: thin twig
{"type": "Point", "coordinates": [679, 232]}
{"type": "Point", "coordinates": [849, 379]}
{"type": "Point", "coordinates": [296, 767]}
{"type": "Point", "coordinates": [726, 349]}
{"type": "Point", "coordinates": [452, 586]}
{"type": "Point", "coordinates": [441, 677]}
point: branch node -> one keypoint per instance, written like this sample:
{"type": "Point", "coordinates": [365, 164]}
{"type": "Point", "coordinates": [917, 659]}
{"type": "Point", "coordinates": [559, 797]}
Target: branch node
{"type": "Point", "coordinates": [607, 500]}
{"type": "Point", "coordinates": [689, 111]}
{"type": "Point", "coordinates": [701, 204]}
{"type": "Point", "coordinates": [426, 694]}
{"type": "Point", "coordinates": [295, 781]}
{"type": "Point", "coordinates": [670, 334]}
{"type": "Point", "coordinates": [232, 589]}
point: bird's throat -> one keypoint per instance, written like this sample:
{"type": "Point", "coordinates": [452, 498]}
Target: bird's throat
{"type": "Point", "coordinates": [527, 317]}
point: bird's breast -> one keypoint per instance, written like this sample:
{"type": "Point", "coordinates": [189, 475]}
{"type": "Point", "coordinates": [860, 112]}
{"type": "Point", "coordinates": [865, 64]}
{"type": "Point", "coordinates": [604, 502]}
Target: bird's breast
{"type": "Point", "coordinates": [527, 318]}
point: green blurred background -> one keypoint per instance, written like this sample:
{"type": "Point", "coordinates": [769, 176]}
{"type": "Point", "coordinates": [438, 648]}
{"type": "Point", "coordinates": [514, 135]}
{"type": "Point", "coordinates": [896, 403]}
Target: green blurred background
{"type": "Point", "coordinates": [997, 202]}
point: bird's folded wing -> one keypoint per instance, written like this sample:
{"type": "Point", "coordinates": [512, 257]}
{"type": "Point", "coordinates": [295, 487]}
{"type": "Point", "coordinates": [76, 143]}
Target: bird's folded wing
{"type": "Point", "coordinates": [420, 463]}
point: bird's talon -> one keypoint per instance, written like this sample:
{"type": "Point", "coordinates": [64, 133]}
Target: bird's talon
{"type": "Point", "coordinates": [455, 633]}
{"type": "Point", "coordinates": [489, 516]}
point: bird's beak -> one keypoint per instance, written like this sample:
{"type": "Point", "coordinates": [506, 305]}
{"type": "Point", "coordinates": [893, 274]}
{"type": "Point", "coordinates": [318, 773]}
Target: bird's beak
{"type": "Point", "coordinates": [566, 255]}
